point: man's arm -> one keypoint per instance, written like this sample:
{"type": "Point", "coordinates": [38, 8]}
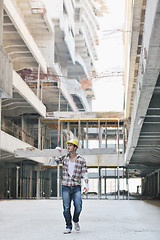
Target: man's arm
{"type": "Point", "coordinates": [86, 178]}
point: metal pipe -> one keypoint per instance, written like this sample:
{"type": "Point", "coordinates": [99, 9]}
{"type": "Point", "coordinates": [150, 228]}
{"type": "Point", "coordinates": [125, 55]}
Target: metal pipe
{"type": "Point", "coordinates": [118, 137]}
{"type": "Point", "coordinates": [127, 182]}
{"type": "Point", "coordinates": [79, 131]}
{"type": "Point", "coordinates": [41, 90]}
{"type": "Point", "coordinates": [59, 101]}
{"type": "Point", "coordinates": [118, 190]}
{"type": "Point", "coordinates": [99, 133]}
{"type": "Point", "coordinates": [105, 134]}
{"type": "Point", "coordinates": [39, 133]}
{"type": "Point", "coordinates": [61, 134]}
{"type": "Point", "coordinates": [158, 182]}
{"type": "Point", "coordinates": [58, 137]}
{"type": "Point", "coordinates": [38, 80]}
{"type": "Point", "coordinates": [68, 131]}
{"type": "Point", "coordinates": [1, 22]}
{"type": "Point", "coordinates": [99, 182]}
{"type": "Point", "coordinates": [17, 180]}
{"type": "Point", "coordinates": [87, 134]}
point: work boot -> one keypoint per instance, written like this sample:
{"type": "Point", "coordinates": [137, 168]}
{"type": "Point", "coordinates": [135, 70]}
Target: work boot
{"type": "Point", "coordinates": [67, 230]}
{"type": "Point", "coordinates": [76, 226]}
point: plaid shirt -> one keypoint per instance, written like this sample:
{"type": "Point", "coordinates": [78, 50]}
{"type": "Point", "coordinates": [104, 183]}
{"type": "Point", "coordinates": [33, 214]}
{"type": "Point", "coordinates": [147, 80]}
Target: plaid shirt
{"type": "Point", "coordinates": [80, 169]}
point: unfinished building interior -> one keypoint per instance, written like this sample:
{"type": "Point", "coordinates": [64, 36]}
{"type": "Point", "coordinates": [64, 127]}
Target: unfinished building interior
{"type": "Point", "coordinates": [48, 51]}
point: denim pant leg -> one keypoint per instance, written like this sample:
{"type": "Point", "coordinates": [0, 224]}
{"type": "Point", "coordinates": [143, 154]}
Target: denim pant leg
{"type": "Point", "coordinates": [66, 195]}
{"type": "Point", "coordinates": [77, 200]}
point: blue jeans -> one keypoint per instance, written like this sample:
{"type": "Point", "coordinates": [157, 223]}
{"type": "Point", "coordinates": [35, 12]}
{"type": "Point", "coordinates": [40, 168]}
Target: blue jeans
{"type": "Point", "coordinates": [70, 193]}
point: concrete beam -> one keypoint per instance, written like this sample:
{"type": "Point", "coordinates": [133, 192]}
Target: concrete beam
{"type": "Point", "coordinates": [10, 144]}
{"type": "Point", "coordinates": [24, 90]}
{"type": "Point", "coordinates": [94, 157]}
{"type": "Point", "coordinates": [25, 34]}
{"type": "Point", "coordinates": [32, 152]}
{"type": "Point", "coordinates": [87, 115]}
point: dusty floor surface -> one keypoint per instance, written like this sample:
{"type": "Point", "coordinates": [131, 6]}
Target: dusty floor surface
{"type": "Point", "coordinates": [100, 220]}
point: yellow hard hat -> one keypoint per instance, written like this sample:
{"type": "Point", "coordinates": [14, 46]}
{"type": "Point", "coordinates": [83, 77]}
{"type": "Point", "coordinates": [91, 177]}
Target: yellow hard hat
{"type": "Point", "coordinates": [73, 141]}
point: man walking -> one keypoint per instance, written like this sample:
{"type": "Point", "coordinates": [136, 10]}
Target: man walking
{"type": "Point", "coordinates": [73, 169]}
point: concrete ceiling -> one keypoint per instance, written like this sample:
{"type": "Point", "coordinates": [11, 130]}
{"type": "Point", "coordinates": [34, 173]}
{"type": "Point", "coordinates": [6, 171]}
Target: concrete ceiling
{"type": "Point", "coordinates": [143, 148]}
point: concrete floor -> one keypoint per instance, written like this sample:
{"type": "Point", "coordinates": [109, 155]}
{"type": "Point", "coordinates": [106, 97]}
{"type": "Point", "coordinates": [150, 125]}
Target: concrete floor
{"type": "Point", "coordinates": [100, 220]}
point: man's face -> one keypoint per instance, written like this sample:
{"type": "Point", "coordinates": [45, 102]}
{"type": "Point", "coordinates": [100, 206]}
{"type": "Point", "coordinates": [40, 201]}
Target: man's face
{"type": "Point", "coordinates": [71, 147]}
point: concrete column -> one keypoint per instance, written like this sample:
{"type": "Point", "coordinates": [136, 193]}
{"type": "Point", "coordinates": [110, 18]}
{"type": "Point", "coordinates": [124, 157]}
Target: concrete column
{"type": "Point", "coordinates": [118, 137]}
{"type": "Point", "coordinates": [99, 182]}
{"type": "Point", "coordinates": [118, 192]}
{"type": "Point", "coordinates": [1, 22]}
{"type": "Point", "coordinates": [124, 140]}
{"type": "Point", "coordinates": [59, 100]}
{"type": "Point", "coordinates": [2, 177]}
{"type": "Point", "coordinates": [17, 180]}
{"type": "Point", "coordinates": [83, 137]}
{"type": "Point", "coordinates": [41, 90]}
{"type": "Point", "coordinates": [59, 131]}
{"type": "Point", "coordinates": [30, 183]}
{"type": "Point", "coordinates": [68, 131]}
{"type": "Point", "coordinates": [1, 166]}
{"type": "Point", "coordinates": [39, 133]}
{"type": "Point", "coordinates": [38, 184]}
{"type": "Point", "coordinates": [0, 130]}
{"type": "Point", "coordinates": [87, 134]}
{"type": "Point", "coordinates": [158, 183]}
{"type": "Point", "coordinates": [79, 132]}
{"type": "Point", "coordinates": [23, 128]}
{"type": "Point", "coordinates": [38, 82]}
{"type": "Point", "coordinates": [61, 134]}
{"type": "Point", "coordinates": [48, 184]}
{"type": "Point", "coordinates": [105, 179]}
{"type": "Point", "coordinates": [127, 182]}
{"type": "Point", "coordinates": [21, 179]}
{"type": "Point", "coordinates": [105, 134]}
{"type": "Point", "coordinates": [99, 133]}
{"type": "Point", "coordinates": [43, 130]}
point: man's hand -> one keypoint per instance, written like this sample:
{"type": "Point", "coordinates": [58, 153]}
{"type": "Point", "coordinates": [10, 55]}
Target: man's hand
{"type": "Point", "coordinates": [86, 188]}
{"type": "Point", "coordinates": [59, 149]}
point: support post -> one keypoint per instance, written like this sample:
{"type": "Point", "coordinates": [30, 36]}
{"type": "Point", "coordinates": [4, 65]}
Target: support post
{"type": "Point", "coordinates": [79, 131]}
{"type": "Point", "coordinates": [118, 192]}
{"type": "Point", "coordinates": [127, 182]}
{"type": "Point", "coordinates": [38, 80]}
{"type": "Point", "coordinates": [105, 186]}
{"type": "Point", "coordinates": [59, 128]}
{"type": "Point", "coordinates": [99, 182]}
{"type": "Point", "coordinates": [105, 134]}
{"type": "Point", "coordinates": [23, 129]}
{"type": "Point", "coordinates": [59, 101]}
{"type": "Point", "coordinates": [62, 135]}
{"type": "Point", "coordinates": [17, 180]}
{"type": "Point", "coordinates": [39, 133]}
{"type": "Point", "coordinates": [38, 185]}
{"type": "Point", "coordinates": [87, 134]}
{"type": "Point", "coordinates": [99, 133]}
{"type": "Point", "coordinates": [68, 131]}
{"type": "Point", "coordinates": [158, 182]}
{"type": "Point", "coordinates": [1, 22]}
{"type": "Point", "coordinates": [30, 183]}
{"type": "Point", "coordinates": [41, 90]}
{"type": "Point", "coordinates": [118, 136]}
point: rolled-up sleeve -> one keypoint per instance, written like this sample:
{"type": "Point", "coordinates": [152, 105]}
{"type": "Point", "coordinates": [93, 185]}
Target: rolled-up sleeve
{"type": "Point", "coordinates": [84, 170]}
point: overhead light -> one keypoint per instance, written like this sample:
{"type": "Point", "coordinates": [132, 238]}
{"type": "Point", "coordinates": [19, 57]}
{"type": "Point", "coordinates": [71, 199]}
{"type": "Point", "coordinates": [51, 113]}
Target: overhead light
{"type": "Point", "coordinates": [140, 120]}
